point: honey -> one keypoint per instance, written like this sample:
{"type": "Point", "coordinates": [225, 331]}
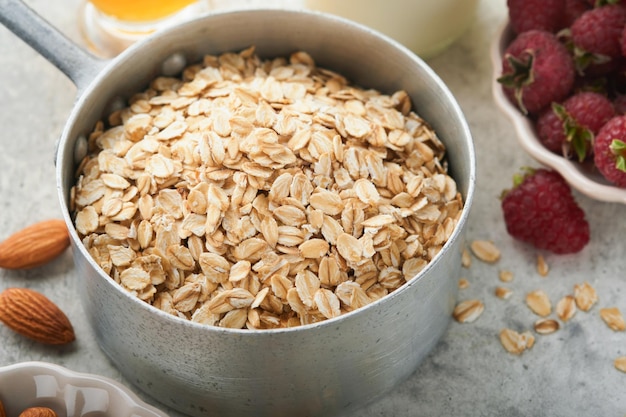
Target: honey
{"type": "Point", "coordinates": [140, 10]}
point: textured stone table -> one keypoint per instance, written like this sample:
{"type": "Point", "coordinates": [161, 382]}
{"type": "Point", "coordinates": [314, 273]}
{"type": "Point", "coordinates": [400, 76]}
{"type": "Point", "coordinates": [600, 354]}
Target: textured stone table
{"type": "Point", "coordinates": [569, 373]}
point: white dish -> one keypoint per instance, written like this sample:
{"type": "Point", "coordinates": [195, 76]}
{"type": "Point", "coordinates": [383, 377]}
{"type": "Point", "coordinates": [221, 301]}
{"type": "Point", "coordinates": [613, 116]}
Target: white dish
{"type": "Point", "coordinates": [68, 393]}
{"type": "Point", "coordinates": [582, 177]}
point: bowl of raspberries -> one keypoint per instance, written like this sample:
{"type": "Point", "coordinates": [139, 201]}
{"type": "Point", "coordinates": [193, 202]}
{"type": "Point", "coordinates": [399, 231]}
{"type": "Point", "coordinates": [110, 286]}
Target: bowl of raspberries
{"type": "Point", "coordinates": [560, 77]}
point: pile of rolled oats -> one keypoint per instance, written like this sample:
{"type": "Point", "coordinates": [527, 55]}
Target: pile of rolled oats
{"type": "Point", "coordinates": [261, 194]}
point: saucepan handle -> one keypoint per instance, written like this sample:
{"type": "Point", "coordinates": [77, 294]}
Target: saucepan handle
{"type": "Point", "coordinates": [80, 66]}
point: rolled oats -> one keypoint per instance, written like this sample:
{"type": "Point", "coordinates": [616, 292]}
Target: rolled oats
{"type": "Point", "coordinates": [463, 283]}
{"type": "Point", "coordinates": [468, 311]}
{"type": "Point", "coordinates": [261, 194]}
{"type": "Point", "coordinates": [613, 318]}
{"type": "Point", "coordinates": [585, 296]}
{"type": "Point", "coordinates": [505, 275]}
{"type": "Point", "coordinates": [539, 302]}
{"type": "Point", "coordinates": [542, 266]}
{"type": "Point", "coordinates": [566, 308]}
{"type": "Point", "coordinates": [327, 303]}
{"type": "Point", "coordinates": [466, 259]}
{"type": "Point", "coordinates": [620, 363]}
{"type": "Point", "coordinates": [515, 342]}
{"type": "Point", "coordinates": [485, 250]}
{"type": "Point", "coordinates": [504, 293]}
{"type": "Point", "coordinates": [546, 326]}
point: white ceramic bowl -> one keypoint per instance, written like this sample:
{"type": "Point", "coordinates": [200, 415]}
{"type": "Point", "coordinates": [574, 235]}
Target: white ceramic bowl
{"type": "Point", "coordinates": [68, 393]}
{"type": "Point", "coordinates": [582, 177]}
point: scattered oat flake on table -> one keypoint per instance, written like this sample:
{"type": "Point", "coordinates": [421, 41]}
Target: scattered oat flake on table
{"type": "Point", "coordinates": [515, 342]}
{"type": "Point", "coordinates": [542, 266]}
{"type": "Point", "coordinates": [546, 326]}
{"type": "Point", "coordinates": [566, 308]}
{"type": "Point", "coordinates": [539, 302]}
{"type": "Point", "coordinates": [505, 276]}
{"type": "Point", "coordinates": [613, 318]}
{"type": "Point", "coordinates": [585, 296]}
{"type": "Point", "coordinates": [485, 250]}
{"type": "Point", "coordinates": [463, 283]}
{"type": "Point", "coordinates": [504, 293]}
{"type": "Point", "coordinates": [468, 311]}
{"type": "Point", "coordinates": [466, 258]}
{"type": "Point", "coordinates": [620, 363]}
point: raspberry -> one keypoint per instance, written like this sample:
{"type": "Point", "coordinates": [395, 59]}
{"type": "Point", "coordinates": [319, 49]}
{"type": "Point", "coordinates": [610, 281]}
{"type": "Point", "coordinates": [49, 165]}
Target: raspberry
{"type": "Point", "coordinates": [596, 37]}
{"type": "Point", "coordinates": [570, 127]}
{"type": "Point", "coordinates": [536, 14]}
{"type": "Point", "coordinates": [541, 210]}
{"type": "Point", "coordinates": [573, 10]}
{"type": "Point", "coordinates": [536, 70]}
{"type": "Point", "coordinates": [609, 150]}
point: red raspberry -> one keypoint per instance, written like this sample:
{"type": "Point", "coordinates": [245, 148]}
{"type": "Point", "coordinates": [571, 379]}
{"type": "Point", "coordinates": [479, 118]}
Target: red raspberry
{"type": "Point", "coordinates": [545, 15]}
{"type": "Point", "coordinates": [536, 70]}
{"type": "Point", "coordinates": [596, 37]}
{"type": "Point", "coordinates": [609, 150]}
{"type": "Point", "coordinates": [573, 10]}
{"type": "Point", "coordinates": [541, 210]}
{"type": "Point", "coordinates": [570, 127]}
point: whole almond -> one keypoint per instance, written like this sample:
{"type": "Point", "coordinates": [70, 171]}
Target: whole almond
{"type": "Point", "coordinates": [33, 315]}
{"type": "Point", "coordinates": [34, 245]}
{"type": "Point", "coordinates": [38, 412]}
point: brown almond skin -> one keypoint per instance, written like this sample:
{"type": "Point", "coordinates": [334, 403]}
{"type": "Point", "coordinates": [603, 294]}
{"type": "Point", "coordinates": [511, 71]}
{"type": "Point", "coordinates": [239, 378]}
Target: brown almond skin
{"type": "Point", "coordinates": [34, 245]}
{"type": "Point", "coordinates": [33, 315]}
{"type": "Point", "coordinates": [38, 412]}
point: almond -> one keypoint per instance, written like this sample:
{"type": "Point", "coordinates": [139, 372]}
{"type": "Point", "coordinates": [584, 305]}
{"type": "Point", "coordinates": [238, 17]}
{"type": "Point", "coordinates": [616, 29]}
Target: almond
{"type": "Point", "coordinates": [35, 245]}
{"type": "Point", "coordinates": [33, 315]}
{"type": "Point", "coordinates": [38, 412]}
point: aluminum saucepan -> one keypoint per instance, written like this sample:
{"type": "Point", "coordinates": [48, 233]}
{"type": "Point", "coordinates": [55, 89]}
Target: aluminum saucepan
{"type": "Point", "coordinates": [322, 369]}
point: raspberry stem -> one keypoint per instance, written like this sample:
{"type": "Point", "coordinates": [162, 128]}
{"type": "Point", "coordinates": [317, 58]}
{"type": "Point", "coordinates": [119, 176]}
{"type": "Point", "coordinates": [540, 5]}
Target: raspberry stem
{"type": "Point", "coordinates": [600, 3]}
{"type": "Point", "coordinates": [577, 137]}
{"type": "Point", "coordinates": [520, 76]}
{"type": "Point", "coordinates": [618, 148]}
